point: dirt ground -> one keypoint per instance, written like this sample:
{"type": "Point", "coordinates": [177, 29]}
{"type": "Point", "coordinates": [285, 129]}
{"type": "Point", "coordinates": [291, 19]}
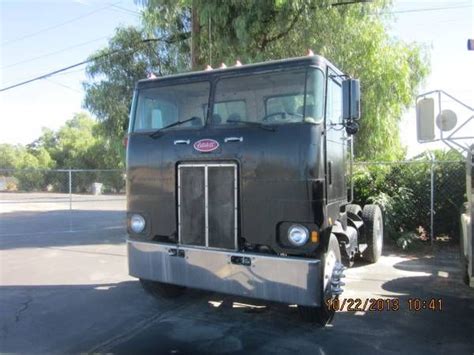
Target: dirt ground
{"type": "Point", "coordinates": [69, 291]}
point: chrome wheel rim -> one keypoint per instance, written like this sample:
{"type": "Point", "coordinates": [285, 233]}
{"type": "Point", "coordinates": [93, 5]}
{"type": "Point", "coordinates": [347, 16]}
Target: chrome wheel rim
{"type": "Point", "coordinates": [330, 262]}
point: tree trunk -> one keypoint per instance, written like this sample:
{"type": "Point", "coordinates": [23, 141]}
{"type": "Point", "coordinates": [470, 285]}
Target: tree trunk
{"type": "Point", "coordinates": [195, 48]}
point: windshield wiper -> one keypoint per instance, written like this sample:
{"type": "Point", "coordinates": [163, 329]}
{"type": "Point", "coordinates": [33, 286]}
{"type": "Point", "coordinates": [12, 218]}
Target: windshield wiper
{"type": "Point", "coordinates": [156, 134]}
{"type": "Point", "coordinates": [258, 124]}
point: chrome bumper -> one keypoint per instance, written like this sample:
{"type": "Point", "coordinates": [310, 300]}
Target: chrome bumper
{"type": "Point", "coordinates": [281, 279]}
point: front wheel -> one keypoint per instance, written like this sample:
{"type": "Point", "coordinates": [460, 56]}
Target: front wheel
{"type": "Point", "coordinates": [331, 286]}
{"type": "Point", "coordinates": [162, 290]}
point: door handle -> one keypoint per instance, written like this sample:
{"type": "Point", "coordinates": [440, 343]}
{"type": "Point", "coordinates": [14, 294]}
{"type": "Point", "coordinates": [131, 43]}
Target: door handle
{"type": "Point", "coordinates": [182, 141]}
{"type": "Point", "coordinates": [233, 139]}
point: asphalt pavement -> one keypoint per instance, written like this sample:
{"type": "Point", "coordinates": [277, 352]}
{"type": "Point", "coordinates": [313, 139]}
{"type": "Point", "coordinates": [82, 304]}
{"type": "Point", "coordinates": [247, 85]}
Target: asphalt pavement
{"type": "Point", "coordinates": [68, 291]}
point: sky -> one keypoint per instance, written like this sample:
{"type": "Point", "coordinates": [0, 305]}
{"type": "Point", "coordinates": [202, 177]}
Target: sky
{"type": "Point", "coordinates": [37, 37]}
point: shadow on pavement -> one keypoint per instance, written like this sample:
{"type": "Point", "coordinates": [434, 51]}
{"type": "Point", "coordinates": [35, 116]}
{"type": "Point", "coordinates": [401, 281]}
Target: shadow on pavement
{"type": "Point", "coordinates": [122, 318]}
{"type": "Point", "coordinates": [56, 228]}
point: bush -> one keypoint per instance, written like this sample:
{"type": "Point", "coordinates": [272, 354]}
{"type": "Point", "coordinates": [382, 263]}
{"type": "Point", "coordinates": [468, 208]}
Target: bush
{"type": "Point", "coordinates": [403, 190]}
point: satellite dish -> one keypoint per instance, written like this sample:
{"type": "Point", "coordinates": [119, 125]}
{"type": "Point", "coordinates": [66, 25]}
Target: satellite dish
{"type": "Point", "coordinates": [446, 120]}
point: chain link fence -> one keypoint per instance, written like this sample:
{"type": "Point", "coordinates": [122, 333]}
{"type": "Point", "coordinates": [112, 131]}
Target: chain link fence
{"type": "Point", "coordinates": [425, 197]}
{"type": "Point", "coordinates": [70, 199]}
{"type": "Point", "coordinates": [422, 197]}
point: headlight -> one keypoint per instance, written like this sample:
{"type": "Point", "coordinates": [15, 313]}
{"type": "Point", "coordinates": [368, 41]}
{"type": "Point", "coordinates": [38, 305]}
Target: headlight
{"type": "Point", "coordinates": [137, 223]}
{"type": "Point", "coordinates": [298, 235]}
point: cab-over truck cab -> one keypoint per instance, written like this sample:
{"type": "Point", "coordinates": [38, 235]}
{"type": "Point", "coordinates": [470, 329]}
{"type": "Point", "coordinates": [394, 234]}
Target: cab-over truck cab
{"type": "Point", "coordinates": [236, 183]}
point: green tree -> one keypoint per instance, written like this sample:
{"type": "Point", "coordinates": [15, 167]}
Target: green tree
{"type": "Point", "coordinates": [21, 157]}
{"type": "Point", "coordinates": [80, 144]}
{"type": "Point", "coordinates": [112, 79]}
{"type": "Point", "coordinates": [9, 157]}
{"type": "Point", "coordinates": [25, 162]}
{"type": "Point", "coordinates": [195, 32]}
{"type": "Point", "coordinates": [70, 145]}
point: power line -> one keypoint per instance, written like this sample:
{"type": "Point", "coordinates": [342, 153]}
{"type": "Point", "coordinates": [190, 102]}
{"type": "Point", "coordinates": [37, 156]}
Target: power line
{"type": "Point", "coordinates": [44, 76]}
{"type": "Point", "coordinates": [57, 25]}
{"type": "Point", "coordinates": [62, 85]}
{"type": "Point", "coordinates": [52, 53]}
{"type": "Point", "coordinates": [426, 9]}
{"type": "Point", "coordinates": [350, 2]}
{"type": "Point", "coordinates": [70, 72]}
{"type": "Point", "coordinates": [127, 10]}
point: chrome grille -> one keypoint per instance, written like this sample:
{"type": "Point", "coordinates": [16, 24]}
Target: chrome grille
{"type": "Point", "coordinates": [207, 205]}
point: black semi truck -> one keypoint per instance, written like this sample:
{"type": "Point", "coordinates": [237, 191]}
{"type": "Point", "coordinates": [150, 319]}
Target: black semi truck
{"type": "Point", "coordinates": [237, 183]}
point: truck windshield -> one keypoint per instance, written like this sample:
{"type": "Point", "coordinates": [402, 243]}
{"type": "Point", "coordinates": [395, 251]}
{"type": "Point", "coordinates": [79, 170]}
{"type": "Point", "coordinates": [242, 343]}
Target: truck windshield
{"type": "Point", "coordinates": [270, 98]}
{"type": "Point", "coordinates": [163, 106]}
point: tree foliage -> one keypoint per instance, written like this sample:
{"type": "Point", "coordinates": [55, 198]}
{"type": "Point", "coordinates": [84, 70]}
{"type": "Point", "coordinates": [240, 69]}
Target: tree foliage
{"type": "Point", "coordinates": [196, 32]}
{"type": "Point", "coordinates": [113, 77]}
{"type": "Point", "coordinates": [21, 157]}
{"type": "Point", "coordinates": [78, 144]}
{"type": "Point", "coordinates": [403, 190]}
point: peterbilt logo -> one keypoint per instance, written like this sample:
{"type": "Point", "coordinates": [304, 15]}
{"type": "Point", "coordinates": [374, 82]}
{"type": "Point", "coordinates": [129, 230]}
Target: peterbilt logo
{"type": "Point", "coordinates": [206, 145]}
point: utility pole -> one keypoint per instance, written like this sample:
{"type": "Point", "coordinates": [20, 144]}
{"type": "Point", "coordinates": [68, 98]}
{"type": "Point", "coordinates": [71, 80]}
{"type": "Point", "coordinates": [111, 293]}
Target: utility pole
{"type": "Point", "coordinates": [195, 38]}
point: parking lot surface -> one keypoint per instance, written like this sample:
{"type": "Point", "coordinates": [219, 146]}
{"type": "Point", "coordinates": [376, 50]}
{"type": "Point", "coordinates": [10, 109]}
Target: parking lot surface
{"type": "Point", "coordinates": [67, 290]}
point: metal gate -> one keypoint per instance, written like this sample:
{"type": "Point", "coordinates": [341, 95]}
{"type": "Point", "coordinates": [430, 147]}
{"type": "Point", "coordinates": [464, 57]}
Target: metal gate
{"type": "Point", "coordinates": [207, 205]}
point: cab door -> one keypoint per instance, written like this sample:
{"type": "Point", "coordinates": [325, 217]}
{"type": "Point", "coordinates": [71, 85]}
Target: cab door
{"type": "Point", "coordinates": [335, 142]}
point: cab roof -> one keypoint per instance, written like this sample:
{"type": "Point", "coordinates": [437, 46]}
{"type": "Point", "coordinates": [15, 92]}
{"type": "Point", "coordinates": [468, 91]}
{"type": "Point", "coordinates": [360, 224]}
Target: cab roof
{"type": "Point", "coordinates": [273, 65]}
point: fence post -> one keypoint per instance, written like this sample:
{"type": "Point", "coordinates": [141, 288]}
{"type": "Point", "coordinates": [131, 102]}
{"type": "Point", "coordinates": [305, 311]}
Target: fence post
{"type": "Point", "coordinates": [70, 190]}
{"type": "Point", "coordinates": [70, 199]}
{"type": "Point", "coordinates": [432, 200]}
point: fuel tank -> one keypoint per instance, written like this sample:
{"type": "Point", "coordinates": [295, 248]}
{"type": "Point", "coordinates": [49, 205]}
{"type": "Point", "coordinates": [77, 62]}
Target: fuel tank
{"type": "Point", "coordinates": [279, 178]}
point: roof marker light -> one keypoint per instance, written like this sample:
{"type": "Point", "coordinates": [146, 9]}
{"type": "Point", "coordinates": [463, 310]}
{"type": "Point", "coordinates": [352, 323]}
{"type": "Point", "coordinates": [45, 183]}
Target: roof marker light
{"type": "Point", "coordinates": [208, 67]}
{"type": "Point", "coordinates": [223, 66]}
{"type": "Point", "coordinates": [238, 63]}
{"type": "Point", "coordinates": [151, 76]}
{"type": "Point", "coordinates": [310, 53]}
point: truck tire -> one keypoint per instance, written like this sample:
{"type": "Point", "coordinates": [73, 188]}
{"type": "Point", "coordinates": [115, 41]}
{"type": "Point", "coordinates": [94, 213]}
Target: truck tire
{"type": "Point", "coordinates": [162, 290]}
{"type": "Point", "coordinates": [465, 220]}
{"type": "Point", "coordinates": [373, 227]}
{"type": "Point", "coordinates": [324, 314]}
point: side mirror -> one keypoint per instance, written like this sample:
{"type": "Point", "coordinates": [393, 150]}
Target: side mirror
{"type": "Point", "coordinates": [351, 99]}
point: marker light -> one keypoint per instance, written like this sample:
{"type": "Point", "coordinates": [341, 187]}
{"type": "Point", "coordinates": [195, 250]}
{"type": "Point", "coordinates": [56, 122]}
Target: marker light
{"type": "Point", "coordinates": [238, 63]}
{"type": "Point", "coordinates": [223, 66]}
{"type": "Point", "coordinates": [298, 235]}
{"type": "Point", "coordinates": [208, 67]}
{"type": "Point", "coordinates": [309, 53]}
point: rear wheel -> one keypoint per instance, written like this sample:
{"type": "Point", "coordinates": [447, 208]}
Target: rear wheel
{"type": "Point", "coordinates": [332, 272]}
{"type": "Point", "coordinates": [162, 290]}
{"type": "Point", "coordinates": [373, 225]}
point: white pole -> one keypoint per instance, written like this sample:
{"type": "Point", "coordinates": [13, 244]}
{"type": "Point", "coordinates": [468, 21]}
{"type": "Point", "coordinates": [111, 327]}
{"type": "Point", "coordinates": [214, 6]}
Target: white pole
{"type": "Point", "coordinates": [432, 200]}
{"type": "Point", "coordinates": [70, 199]}
{"type": "Point", "coordinates": [70, 190]}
